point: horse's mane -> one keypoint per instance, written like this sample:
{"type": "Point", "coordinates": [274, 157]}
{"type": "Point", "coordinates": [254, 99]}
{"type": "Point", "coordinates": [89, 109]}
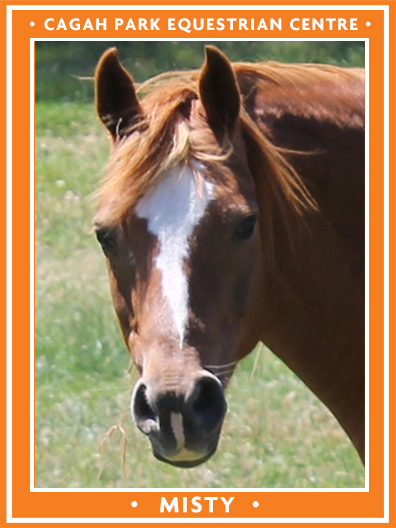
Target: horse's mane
{"type": "Point", "coordinates": [164, 138]}
{"type": "Point", "coordinates": [268, 74]}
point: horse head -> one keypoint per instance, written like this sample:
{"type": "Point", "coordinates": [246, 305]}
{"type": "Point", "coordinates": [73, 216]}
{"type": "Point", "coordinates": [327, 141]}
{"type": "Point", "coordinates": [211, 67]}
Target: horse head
{"type": "Point", "coordinates": [178, 223]}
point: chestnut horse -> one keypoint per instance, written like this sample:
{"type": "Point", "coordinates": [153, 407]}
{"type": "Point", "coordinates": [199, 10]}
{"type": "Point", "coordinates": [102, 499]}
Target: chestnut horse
{"type": "Point", "coordinates": [233, 212]}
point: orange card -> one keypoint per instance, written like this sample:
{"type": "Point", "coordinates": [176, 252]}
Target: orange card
{"type": "Point", "coordinates": [282, 459]}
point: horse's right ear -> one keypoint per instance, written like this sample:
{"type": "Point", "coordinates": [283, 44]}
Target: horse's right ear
{"type": "Point", "coordinates": [116, 101]}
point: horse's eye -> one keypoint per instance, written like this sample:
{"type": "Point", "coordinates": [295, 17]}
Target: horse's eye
{"type": "Point", "coordinates": [245, 229]}
{"type": "Point", "coordinates": [107, 239]}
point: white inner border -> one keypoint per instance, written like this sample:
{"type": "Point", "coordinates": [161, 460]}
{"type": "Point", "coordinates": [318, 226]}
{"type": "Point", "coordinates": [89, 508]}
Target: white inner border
{"type": "Point", "coordinates": [10, 9]}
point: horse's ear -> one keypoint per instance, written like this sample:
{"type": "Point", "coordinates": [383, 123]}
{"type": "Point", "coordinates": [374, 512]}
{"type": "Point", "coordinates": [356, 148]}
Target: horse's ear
{"type": "Point", "coordinates": [219, 92]}
{"type": "Point", "coordinates": [116, 101]}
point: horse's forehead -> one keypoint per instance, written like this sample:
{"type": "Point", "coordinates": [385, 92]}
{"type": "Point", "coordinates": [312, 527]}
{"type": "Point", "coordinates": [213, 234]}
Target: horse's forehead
{"type": "Point", "coordinates": [182, 197]}
{"type": "Point", "coordinates": [179, 199]}
{"type": "Point", "coordinates": [186, 194]}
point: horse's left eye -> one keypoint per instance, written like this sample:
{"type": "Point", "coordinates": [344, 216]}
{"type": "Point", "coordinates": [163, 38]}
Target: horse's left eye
{"type": "Point", "coordinates": [107, 239]}
{"type": "Point", "coordinates": [245, 229]}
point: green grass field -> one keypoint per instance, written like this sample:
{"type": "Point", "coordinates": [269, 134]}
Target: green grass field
{"type": "Point", "coordinates": [276, 433]}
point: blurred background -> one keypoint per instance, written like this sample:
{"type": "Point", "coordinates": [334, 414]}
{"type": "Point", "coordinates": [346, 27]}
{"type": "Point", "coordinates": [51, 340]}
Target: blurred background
{"type": "Point", "coordinates": [276, 433]}
{"type": "Point", "coordinates": [60, 64]}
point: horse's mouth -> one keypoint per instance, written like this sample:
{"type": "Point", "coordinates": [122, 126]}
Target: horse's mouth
{"type": "Point", "coordinates": [185, 463]}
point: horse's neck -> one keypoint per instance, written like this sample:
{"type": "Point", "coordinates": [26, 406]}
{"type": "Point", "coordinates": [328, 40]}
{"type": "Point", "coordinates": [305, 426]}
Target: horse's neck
{"type": "Point", "coordinates": [313, 313]}
{"type": "Point", "coordinates": [313, 319]}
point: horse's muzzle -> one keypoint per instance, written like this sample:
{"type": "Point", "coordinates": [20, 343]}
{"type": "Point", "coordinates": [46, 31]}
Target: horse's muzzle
{"type": "Point", "coordinates": [183, 429]}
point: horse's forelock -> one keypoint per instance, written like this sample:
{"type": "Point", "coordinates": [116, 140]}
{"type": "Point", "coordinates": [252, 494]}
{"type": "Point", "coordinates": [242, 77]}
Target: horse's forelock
{"type": "Point", "coordinates": [164, 138]}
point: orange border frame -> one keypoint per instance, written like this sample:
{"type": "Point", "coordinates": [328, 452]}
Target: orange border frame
{"type": "Point", "coordinates": [354, 505]}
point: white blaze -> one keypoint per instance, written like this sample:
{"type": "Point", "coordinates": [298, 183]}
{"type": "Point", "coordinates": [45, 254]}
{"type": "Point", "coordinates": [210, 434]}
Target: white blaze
{"type": "Point", "coordinates": [173, 209]}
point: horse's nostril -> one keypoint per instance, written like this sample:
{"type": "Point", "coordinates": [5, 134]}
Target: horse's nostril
{"type": "Point", "coordinates": [144, 415]}
{"type": "Point", "coordinates": [208, 403]}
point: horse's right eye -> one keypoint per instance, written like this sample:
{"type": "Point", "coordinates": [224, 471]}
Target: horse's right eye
{"type": "Point", "coordinates": [107, 239]}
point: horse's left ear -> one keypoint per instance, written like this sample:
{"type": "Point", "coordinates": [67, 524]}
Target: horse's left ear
{"type": "Point", "coordinates": [219, 92]}
{"type": "Point", "coordinates": [116, 101]}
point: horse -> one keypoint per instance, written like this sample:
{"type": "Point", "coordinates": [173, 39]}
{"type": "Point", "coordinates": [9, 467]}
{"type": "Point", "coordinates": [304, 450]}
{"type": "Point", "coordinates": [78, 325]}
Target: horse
{"type": "Point", "coordinates": [232, 213]}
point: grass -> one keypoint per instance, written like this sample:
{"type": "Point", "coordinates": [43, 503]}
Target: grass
{"type": "Point", "coordinates": [276, 433]}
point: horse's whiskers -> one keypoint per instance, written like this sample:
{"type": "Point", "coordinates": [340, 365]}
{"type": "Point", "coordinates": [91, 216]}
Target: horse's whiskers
{"type": "Point", "coordinates": [223, 374]}
{"type": "Point", "coordinates": [220, 367]}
